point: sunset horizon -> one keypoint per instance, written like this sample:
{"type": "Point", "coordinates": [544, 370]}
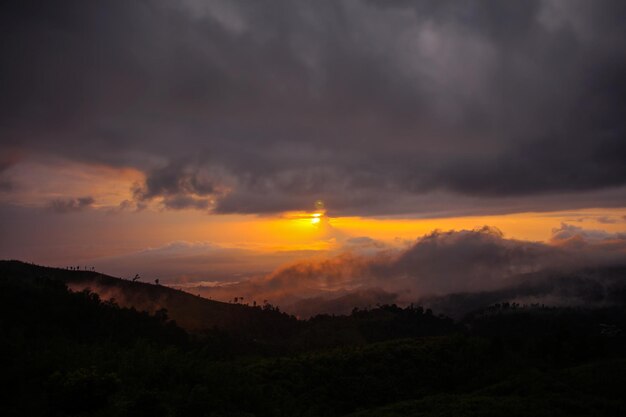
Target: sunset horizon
{"type": "Point", "coordinates": [344, 208]}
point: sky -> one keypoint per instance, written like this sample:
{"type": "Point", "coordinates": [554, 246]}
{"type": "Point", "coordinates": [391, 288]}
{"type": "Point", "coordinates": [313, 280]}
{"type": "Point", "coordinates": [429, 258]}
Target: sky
{"type": "Point", "coordinates": [295, 149]}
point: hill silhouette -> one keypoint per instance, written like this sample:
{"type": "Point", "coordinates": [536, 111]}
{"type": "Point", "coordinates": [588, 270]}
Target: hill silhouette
{"type": "Point", "coordinates": [262, 326]}
{"type": "Point", "coordinates": [191, 312]}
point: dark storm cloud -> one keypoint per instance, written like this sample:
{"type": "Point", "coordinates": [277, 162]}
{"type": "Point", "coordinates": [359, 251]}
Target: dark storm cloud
{"type": "Point", "coordinates": [374, 107]}
{"type": "Point", "coordinates": [71, 204]}
{"type": "Point", "coordinates": [181, 184]}
{"type": "Point", "coordinates": [182, 202]}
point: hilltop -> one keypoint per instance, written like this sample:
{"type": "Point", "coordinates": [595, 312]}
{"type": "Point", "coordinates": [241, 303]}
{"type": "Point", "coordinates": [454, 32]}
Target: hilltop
{"type": "Point", "coordinates": [191, 312]}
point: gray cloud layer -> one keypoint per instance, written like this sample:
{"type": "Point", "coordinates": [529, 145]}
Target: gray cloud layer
{"type": "Point", "coordinates": [374, 107]}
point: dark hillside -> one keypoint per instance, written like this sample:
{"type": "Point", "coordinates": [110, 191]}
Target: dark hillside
{"type": "Point", "coordinates": [71, 354]}
{"type": "Point", "coordinates": [188, 311]}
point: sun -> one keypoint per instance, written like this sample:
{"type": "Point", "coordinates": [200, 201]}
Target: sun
{"type": "Point", "coordinates": [315, 219]}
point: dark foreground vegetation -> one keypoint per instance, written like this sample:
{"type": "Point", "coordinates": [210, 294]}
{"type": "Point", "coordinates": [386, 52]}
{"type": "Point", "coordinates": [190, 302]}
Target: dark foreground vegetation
{"type": "Point", "coordinates": [71, 354]}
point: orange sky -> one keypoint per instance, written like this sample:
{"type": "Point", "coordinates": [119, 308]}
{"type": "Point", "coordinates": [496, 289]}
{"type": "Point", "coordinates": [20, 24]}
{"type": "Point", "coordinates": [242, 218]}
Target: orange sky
{"type": "Point", "coordinates": [111, 186]}
{"type": "Point", "coordinates": [111, 228]}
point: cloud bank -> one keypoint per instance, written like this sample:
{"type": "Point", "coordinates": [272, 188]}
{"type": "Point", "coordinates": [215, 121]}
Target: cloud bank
{"type": "Point", "coordinates": [71, 205]}
{"type": "Point", "coordinates": [480, 261]}
{"type": "Point", "coordinates": [373, 107]}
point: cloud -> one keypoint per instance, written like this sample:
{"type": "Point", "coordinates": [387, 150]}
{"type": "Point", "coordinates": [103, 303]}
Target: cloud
{"type": "Point", "coordinates": [599, 286]}
{"type": "Point", "coordinates": [435, 265]}
{"type": "Point", "coordinates": [127, 206]}
{"type": "Point", "coordinates": [608, 220]}
{"type": "Point", "coordinates": [181, 186]}
{"type": "Point", "coordinates": [568, 233]}
{"type": "Point", "coordinates": [9, 159]}
{"type": "Point", "coordinates": [71, 205]}
{"type": "Point", "coordinates": [180, 202]}
{"type": "Point", "coordinates": [376, 108]}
